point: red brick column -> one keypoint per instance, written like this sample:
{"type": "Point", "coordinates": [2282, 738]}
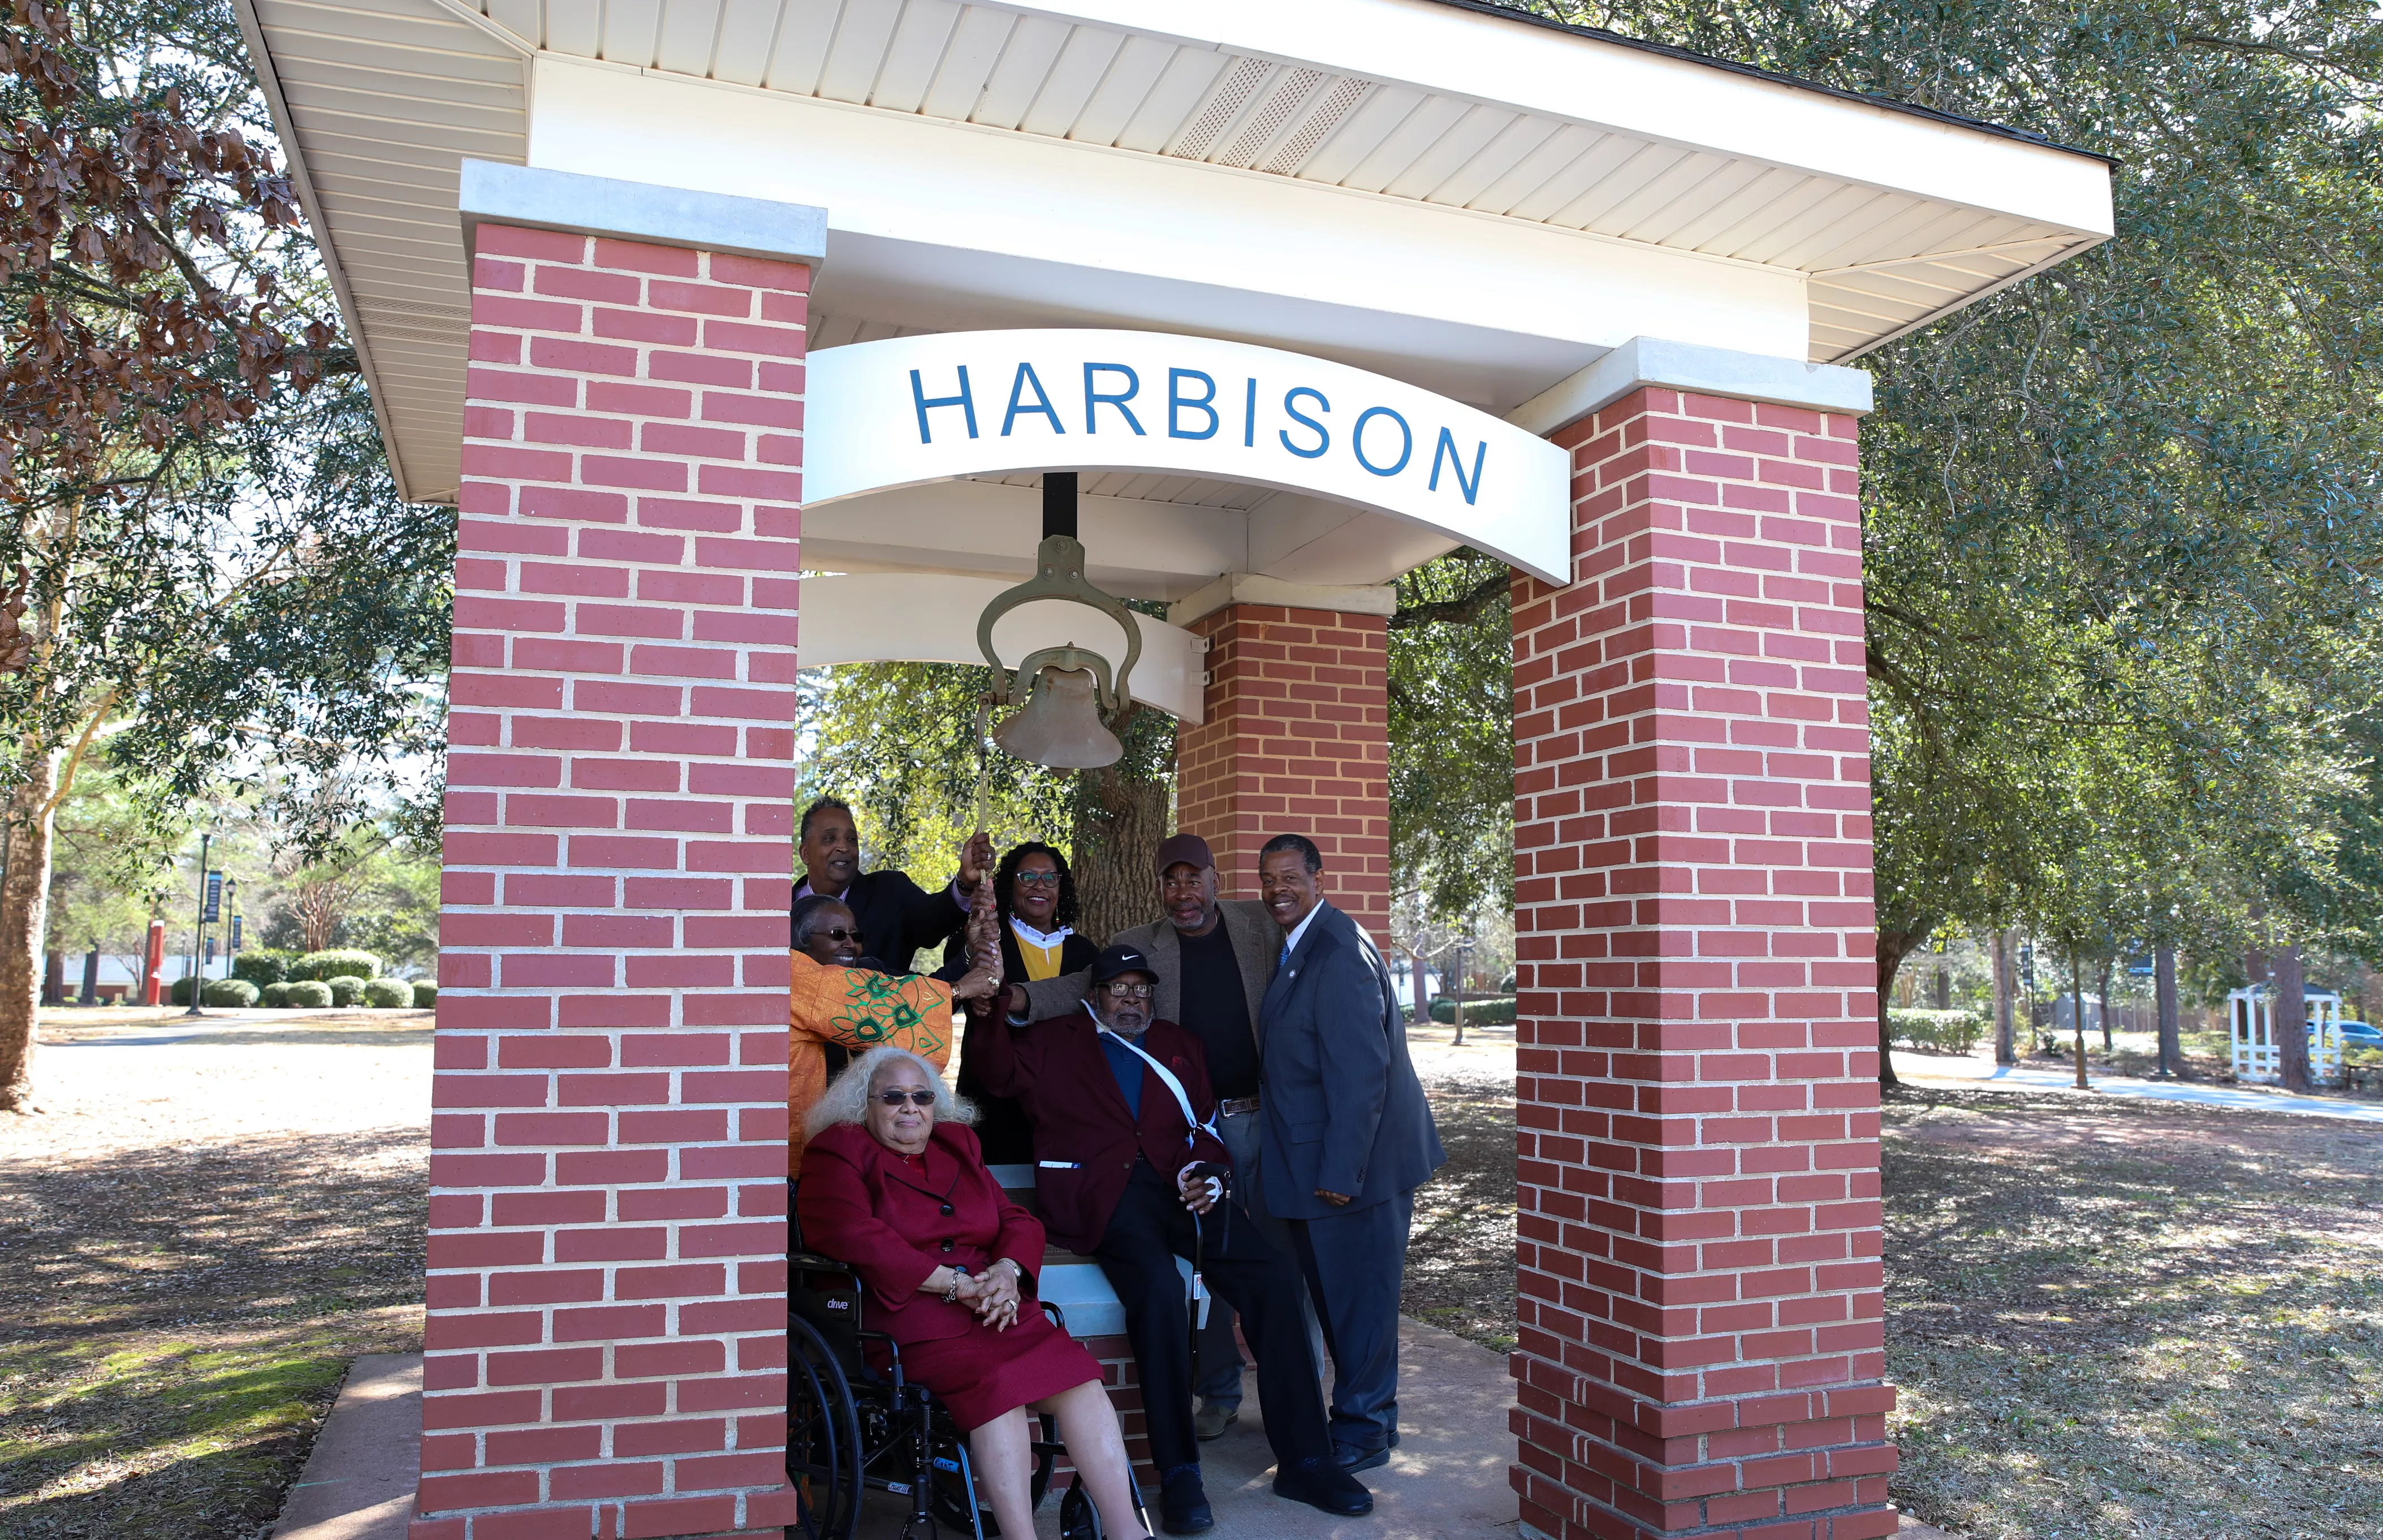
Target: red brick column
{"type": "Point", "coordinates": [1700, 1285]}
{"type": "Point", "coordinates": [606, 1338]}
{"type": "Point", "coordinates": [1296, 742]}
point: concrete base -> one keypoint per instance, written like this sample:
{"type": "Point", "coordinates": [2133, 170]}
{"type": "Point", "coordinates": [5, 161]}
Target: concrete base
{"type": "Point", "coordinates": [1444, 1481]}
{"type": "Point", "coordinates": [359, 1482]}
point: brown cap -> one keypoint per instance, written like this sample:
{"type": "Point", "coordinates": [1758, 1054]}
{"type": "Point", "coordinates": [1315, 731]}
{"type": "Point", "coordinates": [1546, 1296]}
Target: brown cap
{"type": "Point", "coordinates": [1189, 849]}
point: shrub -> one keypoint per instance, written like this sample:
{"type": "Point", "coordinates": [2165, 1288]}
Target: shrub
{"type": "Point", "coordinates": [178, 991]}
{"type": "Point", "coordinates": [237, 993]}
{"type": "Point", "coordinates": [307, 994]}
{"type": "Point", "coordinates": [425, 992]}
{"type": "Point", "coordinates": [336, 965]}
{"type": "Point", "coordinates": [275, 995]}
{"type": "Point", "coordinates": [1936, 1031]}
{"type": "Point", "coordinates": [1480, 1010]}
{"type": "Point", "coordinates": [388, 994]}
{"type": "Point", "coordinates": [346, 989]}
{"type": "Point", "coordinates": [262, 966]}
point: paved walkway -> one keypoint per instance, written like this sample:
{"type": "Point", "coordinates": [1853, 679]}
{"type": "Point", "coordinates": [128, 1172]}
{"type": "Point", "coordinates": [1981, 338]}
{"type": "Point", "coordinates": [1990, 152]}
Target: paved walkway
{"type": "Point", "coordinates": [359, 1481]}
{"type": "Point", "coordinates": [1947, 1069]}
{"type": "Point", "coordinates": [1444, 1481]}
{"type": "Point", "coordinates": [1447, 1479]}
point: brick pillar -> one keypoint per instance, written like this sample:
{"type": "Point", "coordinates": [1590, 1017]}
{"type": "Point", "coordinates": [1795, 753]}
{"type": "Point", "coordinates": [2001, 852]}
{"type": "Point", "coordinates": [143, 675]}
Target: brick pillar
{"type": "Point", "coordinates": [1697, 1107]}
{"type": "Point", "coordinates": [1296, 742]}
{"type": "Point", "coordinates": [606, 1338]}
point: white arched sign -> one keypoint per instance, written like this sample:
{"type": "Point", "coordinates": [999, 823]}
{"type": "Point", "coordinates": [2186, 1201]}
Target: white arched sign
{"type": "Point", "coordinates": [913, 409]}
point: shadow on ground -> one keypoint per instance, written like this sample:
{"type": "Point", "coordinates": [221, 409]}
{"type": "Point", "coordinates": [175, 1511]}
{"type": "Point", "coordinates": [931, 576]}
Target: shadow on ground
{"type": "Point", "coordinates": [2120, 1319]}
{"type": "Point", "coordinates": [1461, 1261]}
{"type": "Point", "coordinates": [178, 1321]}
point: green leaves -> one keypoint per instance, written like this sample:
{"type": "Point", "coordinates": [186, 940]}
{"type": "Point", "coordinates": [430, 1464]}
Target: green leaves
{"type": "Point", "coordinates": [2121, 531]}
{"type": "Point", "coordinates": [1452, 696]}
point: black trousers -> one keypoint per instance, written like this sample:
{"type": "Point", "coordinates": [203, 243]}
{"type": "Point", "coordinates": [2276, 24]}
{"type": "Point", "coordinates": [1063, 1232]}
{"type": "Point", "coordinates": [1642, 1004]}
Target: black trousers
{"type": "Point", "coordinates": [1149, 1230]}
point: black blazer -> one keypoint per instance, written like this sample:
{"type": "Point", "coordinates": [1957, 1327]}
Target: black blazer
{"type": "Point", "coordinates": [896, 916]}
{"type": "Point", "coordinates": [1342, 1107]}
{"type": "Point", "coordinates": [1001, 1123]}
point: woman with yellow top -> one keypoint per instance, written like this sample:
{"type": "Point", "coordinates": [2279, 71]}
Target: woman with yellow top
{"type": "Point", "coordinates": [1035, 898]}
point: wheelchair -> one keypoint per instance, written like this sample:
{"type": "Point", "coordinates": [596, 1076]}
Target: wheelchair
{"type": "Point", "coordinates": [853, 1429]}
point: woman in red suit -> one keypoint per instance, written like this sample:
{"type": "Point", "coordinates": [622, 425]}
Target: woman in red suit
{"type": "Point", "coordinates": [893, 1184]}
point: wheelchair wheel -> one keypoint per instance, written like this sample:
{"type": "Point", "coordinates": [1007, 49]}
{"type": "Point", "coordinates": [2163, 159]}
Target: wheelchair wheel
{"type": "Point", "coordinates": [822, 1438]}
{"type": "Point", "coordinates": [954, 1492]}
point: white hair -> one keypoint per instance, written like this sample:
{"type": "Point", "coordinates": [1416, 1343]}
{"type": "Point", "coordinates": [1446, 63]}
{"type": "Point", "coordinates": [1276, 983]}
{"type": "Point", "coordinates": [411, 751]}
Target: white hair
{"type": "Point", "coordinates": [847, 1100]}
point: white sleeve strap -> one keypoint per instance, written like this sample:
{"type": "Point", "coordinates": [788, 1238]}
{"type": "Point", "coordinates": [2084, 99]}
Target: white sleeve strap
{"type": "Point", "coordinates": [1182, 1098]}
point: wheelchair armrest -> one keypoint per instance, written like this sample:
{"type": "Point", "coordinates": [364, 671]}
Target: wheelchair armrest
{"type": "Point", "coordinates": [812, 1262]}
{"type": "Point", "coordinates": [1058, 1317]}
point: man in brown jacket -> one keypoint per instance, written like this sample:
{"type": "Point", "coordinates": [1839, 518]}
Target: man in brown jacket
{"type": "Point", "coordinates": [1215, 957]}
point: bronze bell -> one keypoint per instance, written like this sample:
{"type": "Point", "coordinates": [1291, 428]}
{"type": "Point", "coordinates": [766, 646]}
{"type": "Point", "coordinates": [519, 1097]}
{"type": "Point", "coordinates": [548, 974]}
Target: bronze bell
{"type": "Point", "coordinates": [1061, 724]}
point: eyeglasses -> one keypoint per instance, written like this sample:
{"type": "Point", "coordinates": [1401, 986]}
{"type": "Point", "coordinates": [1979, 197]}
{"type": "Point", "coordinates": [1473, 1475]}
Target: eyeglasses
{"type": "Point", "coordinates": [1036, 879]}
{"type": "Point", "coordinates": [916, 1098]}
{"type": "Point", "coordinates": [1129, 991]}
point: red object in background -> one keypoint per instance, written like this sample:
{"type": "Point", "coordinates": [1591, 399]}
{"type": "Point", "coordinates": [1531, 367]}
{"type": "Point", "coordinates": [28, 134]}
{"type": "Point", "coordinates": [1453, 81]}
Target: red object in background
{"type": "Point", "coordinates": [150, 986]}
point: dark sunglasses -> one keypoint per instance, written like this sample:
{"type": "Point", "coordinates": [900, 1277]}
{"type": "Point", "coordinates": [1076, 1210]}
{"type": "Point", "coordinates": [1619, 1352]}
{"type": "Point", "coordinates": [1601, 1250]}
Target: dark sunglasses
{"type": "Point", "coordinates": [916, 1098]}
{"type": "Point", "coordinates": [837, 932]}
{"type": "Point", "coordinates": [1129, 991]}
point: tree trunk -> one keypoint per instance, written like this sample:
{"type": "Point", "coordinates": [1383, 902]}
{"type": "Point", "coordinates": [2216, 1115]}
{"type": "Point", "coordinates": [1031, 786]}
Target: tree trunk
{"type": "Point", "coordinates": [2171, 1043]}
{"type": "Point", "coordinates": [1943, 987]}
{"type": "Point", "coordinates": [1119, 824]}
{"type": "Point", "coordinates": [1892, 947]}
{"type": "Point", "coordinates": [1416, 987]}
{"type": "Point", "coordinates": [2077, 1014]}
{"type": "Point", "coordinates": [2290, 1020]}
{"type": "Point", "coordinates": [2005, 1043]}
{"type": "Point", "coordinates": [2107, 965]}
{"type": "Point", "coordinates": [24, 913]}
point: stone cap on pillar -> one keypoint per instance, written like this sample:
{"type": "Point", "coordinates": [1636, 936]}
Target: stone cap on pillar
{"type": "Point", "coordinates": [1234, 588]}
{"type": "Point", "coordinates": [540, 199]}
{"type": "Point", "coordinates": [1645, 361]}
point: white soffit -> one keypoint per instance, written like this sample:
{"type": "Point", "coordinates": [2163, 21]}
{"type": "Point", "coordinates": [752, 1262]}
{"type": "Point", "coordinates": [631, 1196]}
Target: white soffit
{"type": "Point", "coordinates": [1874, 219]}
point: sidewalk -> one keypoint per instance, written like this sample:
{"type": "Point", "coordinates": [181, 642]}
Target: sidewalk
{"type": "Point", "coordinates": [1984, 1073]}
{"type": "Point", "coordinates": [1446, 1482]}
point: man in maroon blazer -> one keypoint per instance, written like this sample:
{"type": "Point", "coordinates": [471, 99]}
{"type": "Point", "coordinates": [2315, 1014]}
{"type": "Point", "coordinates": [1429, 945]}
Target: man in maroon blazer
{"type": "Point", "coordinates": [1121, 1108]}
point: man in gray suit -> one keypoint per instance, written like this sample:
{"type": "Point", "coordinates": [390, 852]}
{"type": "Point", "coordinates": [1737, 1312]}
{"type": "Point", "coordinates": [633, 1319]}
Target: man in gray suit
{"type": "Point", "coordinates": [1215, 957]}
{"type": "Point", "coordinates": [1349, 1138]}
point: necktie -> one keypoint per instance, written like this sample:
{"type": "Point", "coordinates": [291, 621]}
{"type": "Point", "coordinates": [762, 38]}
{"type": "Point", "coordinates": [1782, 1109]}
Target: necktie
{"type": "Point", "coordinates": [1284, 961]}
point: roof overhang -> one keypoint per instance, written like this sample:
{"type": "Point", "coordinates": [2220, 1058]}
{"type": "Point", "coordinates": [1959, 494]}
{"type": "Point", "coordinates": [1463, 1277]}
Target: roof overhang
{"type": "Point", "coordinates": [1463, 199]}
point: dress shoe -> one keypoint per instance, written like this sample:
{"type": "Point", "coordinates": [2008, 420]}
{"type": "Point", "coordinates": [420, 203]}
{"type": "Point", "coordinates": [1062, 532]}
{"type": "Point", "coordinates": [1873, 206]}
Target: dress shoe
{"type": "Point", "coordinates": [1212, 1419]}
{"type": "Point", "coordinates": [1352, 1458]}
{"type": "Point", "coordinates": [1182, 1505]}
{"type": "Point", "coordinates": [1319, 1482]}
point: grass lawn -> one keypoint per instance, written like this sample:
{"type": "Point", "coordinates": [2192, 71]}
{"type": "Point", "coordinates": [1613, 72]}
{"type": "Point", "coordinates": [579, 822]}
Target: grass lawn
{"type": "Point", "coordinates": [196, 1238]}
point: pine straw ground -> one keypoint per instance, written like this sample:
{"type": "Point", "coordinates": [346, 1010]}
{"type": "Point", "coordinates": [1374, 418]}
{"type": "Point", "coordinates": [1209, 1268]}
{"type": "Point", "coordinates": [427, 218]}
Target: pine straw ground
{"type": "Point", "coordinates": [195, 1239]}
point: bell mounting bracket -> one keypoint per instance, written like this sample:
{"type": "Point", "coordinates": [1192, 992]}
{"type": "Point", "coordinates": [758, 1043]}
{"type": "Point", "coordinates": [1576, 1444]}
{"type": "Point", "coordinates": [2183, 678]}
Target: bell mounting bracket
{"type": "Point", "coordinates": [1059, 574]}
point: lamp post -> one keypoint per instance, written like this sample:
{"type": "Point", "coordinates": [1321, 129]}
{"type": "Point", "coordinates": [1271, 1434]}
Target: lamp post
{"type": "Point", "coordinates": [197, 935]}
{"type": "Point", "coordinates": [1463, 945]}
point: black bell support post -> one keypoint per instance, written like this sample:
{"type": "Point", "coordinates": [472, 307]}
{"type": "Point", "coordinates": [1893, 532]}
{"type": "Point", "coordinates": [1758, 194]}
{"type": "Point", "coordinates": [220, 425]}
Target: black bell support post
{"type": "Point", "coordinates": [1059, 504]}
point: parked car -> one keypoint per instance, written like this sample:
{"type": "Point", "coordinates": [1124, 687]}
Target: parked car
{"type": "Point", "coordinates": [2360, 1034]}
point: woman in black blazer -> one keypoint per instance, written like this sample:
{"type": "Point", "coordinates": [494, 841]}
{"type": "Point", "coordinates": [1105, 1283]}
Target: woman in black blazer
{"type": "Point", "coordinates": [1036, 895]}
